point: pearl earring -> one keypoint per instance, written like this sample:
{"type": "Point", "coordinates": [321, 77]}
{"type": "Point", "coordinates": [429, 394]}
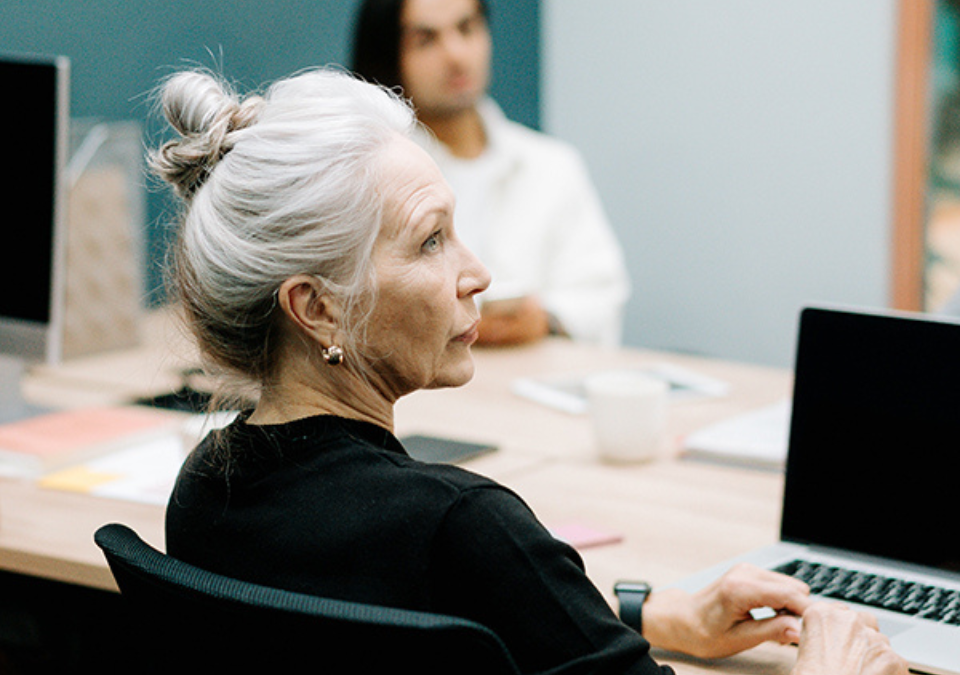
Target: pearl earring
{"type": "Point", "coordinates": [333, 355]}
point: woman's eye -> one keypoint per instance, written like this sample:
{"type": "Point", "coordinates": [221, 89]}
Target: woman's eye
{"type": "Point", "coordinates": [432, 243]}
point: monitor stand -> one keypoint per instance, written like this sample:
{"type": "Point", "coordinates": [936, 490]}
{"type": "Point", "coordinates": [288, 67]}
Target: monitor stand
{"type": "Point", "coordinates": [13, 407]}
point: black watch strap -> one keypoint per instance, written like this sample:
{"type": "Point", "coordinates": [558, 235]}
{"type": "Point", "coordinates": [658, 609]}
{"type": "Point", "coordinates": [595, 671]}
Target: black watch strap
{"type": "Point", "coordinates": [632, 595]}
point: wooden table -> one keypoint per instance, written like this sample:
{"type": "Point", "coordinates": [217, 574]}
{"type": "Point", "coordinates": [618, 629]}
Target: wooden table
{"type": "Point", "coordinates": [675, 516]}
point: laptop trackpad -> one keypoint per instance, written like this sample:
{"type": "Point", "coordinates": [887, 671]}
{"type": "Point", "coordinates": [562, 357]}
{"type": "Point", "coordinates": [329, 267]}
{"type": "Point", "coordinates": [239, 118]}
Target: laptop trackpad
{"type": "Point", "coordinates": [930, 648]}
{"type": "Point", "coordinates": [891, 627]}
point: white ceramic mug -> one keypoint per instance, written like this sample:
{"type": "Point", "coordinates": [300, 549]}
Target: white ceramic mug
{"type": "Point", "coordinates": [628, 411]}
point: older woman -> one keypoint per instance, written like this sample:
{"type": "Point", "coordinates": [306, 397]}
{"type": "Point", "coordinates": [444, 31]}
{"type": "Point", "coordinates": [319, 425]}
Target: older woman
{"type": "Point", "coordinates": [318, 260]}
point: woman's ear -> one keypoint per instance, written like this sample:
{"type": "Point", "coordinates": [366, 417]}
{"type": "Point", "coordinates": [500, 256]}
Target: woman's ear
{"type": "Point", "coordinates": [306, 303]}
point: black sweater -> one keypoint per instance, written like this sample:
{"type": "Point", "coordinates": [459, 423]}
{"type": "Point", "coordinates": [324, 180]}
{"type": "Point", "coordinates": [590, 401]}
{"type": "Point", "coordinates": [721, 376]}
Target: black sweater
{"type": "Point", "coordinates": [336, 508]}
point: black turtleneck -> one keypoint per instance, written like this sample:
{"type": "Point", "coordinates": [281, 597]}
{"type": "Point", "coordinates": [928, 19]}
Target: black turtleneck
{"type": "Point", "coordinates": [336, 508]}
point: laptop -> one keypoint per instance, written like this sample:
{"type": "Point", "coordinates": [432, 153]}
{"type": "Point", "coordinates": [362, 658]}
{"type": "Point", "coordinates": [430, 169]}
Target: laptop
{"type": "Point", "coordinates": [871, 500]}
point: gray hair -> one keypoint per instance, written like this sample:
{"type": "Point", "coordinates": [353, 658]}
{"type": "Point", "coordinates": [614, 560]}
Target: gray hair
{"type": "Point", "coordinates": [273, 186]}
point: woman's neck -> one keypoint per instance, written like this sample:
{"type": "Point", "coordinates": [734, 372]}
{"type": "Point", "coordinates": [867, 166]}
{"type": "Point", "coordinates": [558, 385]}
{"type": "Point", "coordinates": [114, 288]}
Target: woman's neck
{"type": "Point", "coordinates": [295, 399]}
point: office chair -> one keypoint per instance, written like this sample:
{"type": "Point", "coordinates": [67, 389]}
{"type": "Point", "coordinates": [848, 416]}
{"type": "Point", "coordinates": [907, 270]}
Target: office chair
{"type": "Point", "coordinates": [185, 619]}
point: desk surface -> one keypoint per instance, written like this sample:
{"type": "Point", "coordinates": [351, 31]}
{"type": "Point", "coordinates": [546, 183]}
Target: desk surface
{"type": "Point", "coordinates": [675, 516]}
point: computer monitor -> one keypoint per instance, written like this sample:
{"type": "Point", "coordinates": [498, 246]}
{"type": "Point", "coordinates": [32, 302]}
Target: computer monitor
{"type": "Point", "coordinates": [34, 117]}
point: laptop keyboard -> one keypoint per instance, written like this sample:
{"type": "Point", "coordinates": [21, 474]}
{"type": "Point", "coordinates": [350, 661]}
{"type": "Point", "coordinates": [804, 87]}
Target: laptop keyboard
{"type": "Point", "coordinates": [897, 595]}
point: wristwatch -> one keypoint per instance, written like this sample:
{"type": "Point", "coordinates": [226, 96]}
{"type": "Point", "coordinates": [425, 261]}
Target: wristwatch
{"type": "Point", "coordinates": [632, 595]}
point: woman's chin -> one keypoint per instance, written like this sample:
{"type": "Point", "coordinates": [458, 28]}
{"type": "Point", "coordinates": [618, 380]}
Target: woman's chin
{"type": "Point", "coordinates": [456, 375]}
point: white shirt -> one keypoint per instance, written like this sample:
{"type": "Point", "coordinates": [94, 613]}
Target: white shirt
{"type": "Point", "coordinates": [527, 208]}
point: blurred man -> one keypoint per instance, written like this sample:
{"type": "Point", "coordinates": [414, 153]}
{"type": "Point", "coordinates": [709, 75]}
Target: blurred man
{"type": "Point", "coordinates": [525, 203]}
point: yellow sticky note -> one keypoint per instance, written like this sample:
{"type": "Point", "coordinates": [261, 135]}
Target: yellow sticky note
{"type": "Point", "coordinates": [77, 479]}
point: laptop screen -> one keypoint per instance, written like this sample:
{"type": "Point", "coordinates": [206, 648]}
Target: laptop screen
{"type": "Point", "coordinates": [875, 437]}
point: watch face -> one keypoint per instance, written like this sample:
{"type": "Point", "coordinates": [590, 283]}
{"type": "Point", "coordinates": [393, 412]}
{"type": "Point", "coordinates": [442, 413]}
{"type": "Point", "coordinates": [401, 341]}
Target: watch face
{"type": "Point", "coordinates": [631, 587]}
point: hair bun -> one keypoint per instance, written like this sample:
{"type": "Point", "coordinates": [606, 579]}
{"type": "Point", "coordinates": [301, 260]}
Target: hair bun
{"type": "Point", "coordinates": [204, 110]}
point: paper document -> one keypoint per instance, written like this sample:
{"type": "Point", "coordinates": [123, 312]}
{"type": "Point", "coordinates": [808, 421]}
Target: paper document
{"type": "Point", "coordinates": [755, 439]}
{"type": "Point", "coordinates": [143, 471]}
{"type": "Point", "coordinates": [568, 392]}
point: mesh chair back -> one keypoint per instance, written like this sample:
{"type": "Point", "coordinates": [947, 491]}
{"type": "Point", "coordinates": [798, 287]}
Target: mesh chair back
{"type": "Point", "coordinates": [187, 619]}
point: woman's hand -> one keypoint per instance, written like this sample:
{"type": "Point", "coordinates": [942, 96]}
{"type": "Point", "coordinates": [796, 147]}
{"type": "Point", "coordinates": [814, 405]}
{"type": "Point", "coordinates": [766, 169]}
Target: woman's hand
{"type": "Point", "coordinates": [716, 621]}
{"type": "Point", "coordinates": [838, 640]}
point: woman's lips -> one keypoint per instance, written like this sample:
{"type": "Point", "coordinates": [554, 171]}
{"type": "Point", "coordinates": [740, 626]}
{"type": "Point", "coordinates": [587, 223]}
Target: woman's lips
{"type": "Point", "coordinates": [470, 335]}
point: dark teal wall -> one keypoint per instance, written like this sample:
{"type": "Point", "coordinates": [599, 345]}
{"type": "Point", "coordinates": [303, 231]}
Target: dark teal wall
{"type": "Point", "coordinates": [120, 48]}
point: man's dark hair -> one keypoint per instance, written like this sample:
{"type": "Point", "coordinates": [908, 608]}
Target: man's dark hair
{"type": "Point", "coordinates": [376, 40]}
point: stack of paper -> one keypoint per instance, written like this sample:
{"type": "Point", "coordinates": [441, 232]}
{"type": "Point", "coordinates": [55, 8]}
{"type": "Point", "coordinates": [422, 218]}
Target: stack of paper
{"type": "Point", "coordinates": [143, 470]}
{"type": "Point", "coordinates": [51, 441]}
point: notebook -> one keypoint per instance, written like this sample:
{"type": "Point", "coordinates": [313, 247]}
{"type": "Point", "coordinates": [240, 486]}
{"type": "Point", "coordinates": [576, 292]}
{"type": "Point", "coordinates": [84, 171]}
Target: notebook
{"type": "Point", "coordinates": [870, 499]}
{"type": "Point", "coordinates": [443, 450]}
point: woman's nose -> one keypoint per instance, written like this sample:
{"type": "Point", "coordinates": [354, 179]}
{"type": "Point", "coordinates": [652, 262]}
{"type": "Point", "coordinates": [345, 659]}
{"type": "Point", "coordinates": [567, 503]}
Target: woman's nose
{"type": "Point", "coordinates": [474, 276]}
